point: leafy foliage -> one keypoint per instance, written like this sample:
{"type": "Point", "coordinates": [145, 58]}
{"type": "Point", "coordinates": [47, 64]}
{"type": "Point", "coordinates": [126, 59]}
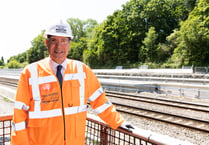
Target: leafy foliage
{"type": "Point", "coordinates": [22, 57]}
{"type": "Point", "coordinates": [13, 64]}
{"type": "Point", "coordinates": [148, 50]}
{"type": "Point", "coordinates": [119, 39]}
{"type": "Point", "coordinates": [38, 50]}
{"type": "Point", "coordinates": [160, 33]}
{"type": "Point", "coordinates": [81, 32]}
{"type": "Point", "coordinates": [2, 61]}
{"type": "Point", "coordinates": [193, 42]}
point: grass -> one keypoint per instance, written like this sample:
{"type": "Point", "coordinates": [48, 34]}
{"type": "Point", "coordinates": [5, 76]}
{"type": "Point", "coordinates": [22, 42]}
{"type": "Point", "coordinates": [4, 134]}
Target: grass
{"type": "Point", "coordinates": [7, 100]}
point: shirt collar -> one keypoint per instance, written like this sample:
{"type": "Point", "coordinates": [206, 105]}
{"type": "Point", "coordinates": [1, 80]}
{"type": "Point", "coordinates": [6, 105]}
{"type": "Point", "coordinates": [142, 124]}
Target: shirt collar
{"type": "Point", "coordinates": [54, 65]}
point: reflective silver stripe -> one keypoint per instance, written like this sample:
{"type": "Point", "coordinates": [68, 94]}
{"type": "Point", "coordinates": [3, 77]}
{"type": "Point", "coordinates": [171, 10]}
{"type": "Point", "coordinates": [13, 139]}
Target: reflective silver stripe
{"type": "Point", "coordinates": [76, 109]}
{"type": "Point", "coordinates": [45, 114]}
{"type": "Point", "coordinates": [18, 126]}
{"type": "Point", "coordinates": [102, 108]}
{"type": "Point", "coordinates": [75, 76]}
{"type": "Point", "coordinates": [96, 94]}
{"type": "Point", "coordinates": [35, 86]}
{"type": "Point", "coordinates": [46, 79]}
{"type": "Point", "coordinates": [52, 78]}
{"type": "Point", "coordinates": [21, 106]}
{"type": "Point", "coordinates": [81, 80]}
{"type": "Point", "coordinates": [35, 81]}
{"type": "Point", "coordinates": [57, 112]}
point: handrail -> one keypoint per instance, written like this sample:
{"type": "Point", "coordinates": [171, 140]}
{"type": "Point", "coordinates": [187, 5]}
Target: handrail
{"type": "Point", "coordinates": [5, 117]}
{"type": "Point", "coordinates": [145, 135]}
{"type": "Point", "coordinates": [98, 131]}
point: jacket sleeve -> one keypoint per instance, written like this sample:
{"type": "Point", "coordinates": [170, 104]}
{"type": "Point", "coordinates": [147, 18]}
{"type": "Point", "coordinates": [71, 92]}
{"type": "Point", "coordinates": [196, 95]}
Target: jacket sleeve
{"type": "Point", "coordinates": [99, 102]}
{"type": "Point", "coordinates": [19, 124]}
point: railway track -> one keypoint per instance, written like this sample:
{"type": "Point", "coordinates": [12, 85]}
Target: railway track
{"type": "Point", "coordinates": [188, 122]}
{"type": "Point", "coordinates": [8, 82]}
{"type": "Point", "coordinates": [194, 123]}
{"type": "Point", "coordinates": [159, 101]}
{"type": "Point", "coordinates": [180, 120]}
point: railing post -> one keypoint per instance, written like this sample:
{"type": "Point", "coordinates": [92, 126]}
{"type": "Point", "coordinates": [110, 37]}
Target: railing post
{"type": "Point", "coordinates": [104, 135]}
{"type": "Point", "coordinates": [3, 138]}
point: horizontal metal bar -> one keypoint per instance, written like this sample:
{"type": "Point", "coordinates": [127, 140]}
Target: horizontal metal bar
{"type": "Point", "coordinates": [99, 132]}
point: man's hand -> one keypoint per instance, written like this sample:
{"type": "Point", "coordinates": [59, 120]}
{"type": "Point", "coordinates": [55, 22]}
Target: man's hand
{"type": "Point", "coordinates": [127, 126]}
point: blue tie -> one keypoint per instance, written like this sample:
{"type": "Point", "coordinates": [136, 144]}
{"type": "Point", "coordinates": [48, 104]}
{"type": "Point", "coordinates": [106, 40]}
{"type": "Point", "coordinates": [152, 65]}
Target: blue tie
{"type": "Point", "coordinates": [59, 74]}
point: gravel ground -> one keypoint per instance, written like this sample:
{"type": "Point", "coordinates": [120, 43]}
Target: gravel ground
{"type": "Point", "coordinates": [180, 133]}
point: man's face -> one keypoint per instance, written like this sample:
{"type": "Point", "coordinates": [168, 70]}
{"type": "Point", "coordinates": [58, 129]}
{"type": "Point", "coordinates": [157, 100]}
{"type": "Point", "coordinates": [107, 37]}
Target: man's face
{"type": "Point", "coordinates": [58, 48]}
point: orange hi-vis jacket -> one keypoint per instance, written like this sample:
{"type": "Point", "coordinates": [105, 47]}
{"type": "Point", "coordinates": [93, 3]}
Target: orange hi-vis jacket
{"type": "Point", "coordinates": [44, 114]}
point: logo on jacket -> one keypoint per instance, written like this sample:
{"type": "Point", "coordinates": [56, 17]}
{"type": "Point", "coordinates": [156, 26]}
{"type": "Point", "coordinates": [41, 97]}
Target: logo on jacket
{"type": "Point", "coordinates": [48, 95]}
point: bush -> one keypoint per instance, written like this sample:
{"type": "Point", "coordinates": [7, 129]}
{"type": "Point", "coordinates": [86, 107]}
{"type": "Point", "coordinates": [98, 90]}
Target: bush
{"type": "Point", "coordinates": [14, 64]}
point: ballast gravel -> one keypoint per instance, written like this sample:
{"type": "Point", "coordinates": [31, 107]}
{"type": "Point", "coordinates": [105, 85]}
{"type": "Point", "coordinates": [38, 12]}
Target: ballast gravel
{"type": "Point", "coordinates": [181, 133]}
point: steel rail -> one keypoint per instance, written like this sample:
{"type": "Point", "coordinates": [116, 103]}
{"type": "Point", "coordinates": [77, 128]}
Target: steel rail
{"type": "Point", "coordinates": [179, 120]}
{"type": "Point", "coordinates": [159, 101]}
{"type": "Point", "coordinates": [12, 84]}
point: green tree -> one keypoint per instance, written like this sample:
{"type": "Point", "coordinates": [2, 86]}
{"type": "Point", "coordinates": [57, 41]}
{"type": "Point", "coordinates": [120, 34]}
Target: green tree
{"type": "Point", "coordinates": [13, 64]}
{"type": "Point", "coordinates": [2, 61]}
{"type": "Point", "coordinates": [38, 50]}
{"type": "Point", "coordinates": [193, 43]}
{"type": "Point", "coordinates": [21, 58]}
{"type": "Point", "coordinates": [190, 4]}
{"type": "Point", "coordinates": [164, 15]}
{"type": "Point", "coordinates": [77, 27]}
{"type": "Point", "coordinates": [119, 38]}
{"type": "Point", "coordinates": [149, 49]}
{"type": "Point", "coordinates": [77, 48]}
{"type": "Point", "coordinates": [82, 32]}
{"type": "Point", "coordinates": [81, 28]}
{"type": "Point", "coordinates": [90, 56]}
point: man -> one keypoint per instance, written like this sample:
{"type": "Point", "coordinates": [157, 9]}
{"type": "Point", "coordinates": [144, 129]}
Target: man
{"type": "Point", "coordinates": [52, 96]}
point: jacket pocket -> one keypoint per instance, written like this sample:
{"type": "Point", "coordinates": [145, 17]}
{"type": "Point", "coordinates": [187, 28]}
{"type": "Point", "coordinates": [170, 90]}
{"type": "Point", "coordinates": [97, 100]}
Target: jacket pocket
{"type": "Point", "coordinates": [38, 131]}
{"type": "Point", "coordinates": [75, 83]}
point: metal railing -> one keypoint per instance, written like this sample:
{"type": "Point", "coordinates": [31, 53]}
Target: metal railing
{"type": "Point", "coordinates": [203, 70]}
{"type": "Point", "coordinates": [99, 133]}
{"type": "Point", "coordinates": [200, 92]}
{"type": "Point", "coordinates": [5, 129]}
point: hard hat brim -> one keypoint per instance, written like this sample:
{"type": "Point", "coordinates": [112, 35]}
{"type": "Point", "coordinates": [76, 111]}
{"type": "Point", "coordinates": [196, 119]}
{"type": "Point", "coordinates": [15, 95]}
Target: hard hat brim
{"type": "Point", "coordinates": [61, 35]}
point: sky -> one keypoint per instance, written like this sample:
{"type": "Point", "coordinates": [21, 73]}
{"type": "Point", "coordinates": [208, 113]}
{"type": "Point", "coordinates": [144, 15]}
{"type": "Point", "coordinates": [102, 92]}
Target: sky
{"type": "Point", "coordinates": [23, 20]}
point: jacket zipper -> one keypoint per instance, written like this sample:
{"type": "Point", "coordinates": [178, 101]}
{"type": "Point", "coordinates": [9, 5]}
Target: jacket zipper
{"type": "Point", "coordinates": [63, 113]}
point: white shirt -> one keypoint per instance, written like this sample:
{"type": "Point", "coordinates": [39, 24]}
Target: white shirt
{"type": "Point", "coordinates": [54, 65]}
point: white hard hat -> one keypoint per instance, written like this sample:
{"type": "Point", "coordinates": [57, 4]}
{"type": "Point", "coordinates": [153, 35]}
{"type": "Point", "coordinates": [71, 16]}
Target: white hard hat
{"type": "Point", "coordinates": [60, 28]}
